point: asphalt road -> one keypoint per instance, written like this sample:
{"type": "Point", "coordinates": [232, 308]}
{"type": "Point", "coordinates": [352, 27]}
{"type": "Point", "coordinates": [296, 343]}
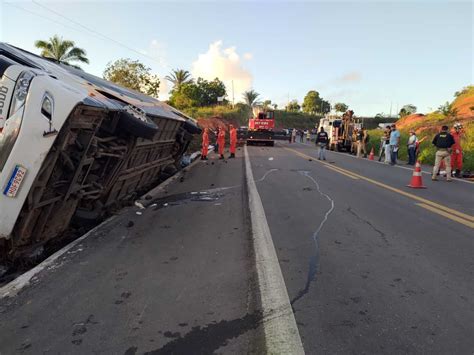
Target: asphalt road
{"type": "Point", "coordinates": [382, 274]}
{"type": "Point", "coordinates": [177, 279]}
{"type": "Point", "coordinates": [369, 265]}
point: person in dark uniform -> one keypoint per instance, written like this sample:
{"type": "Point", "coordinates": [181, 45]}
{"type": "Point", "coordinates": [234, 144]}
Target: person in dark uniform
{"type": "Point", "coordinates": [443, 142]}
{"type": "Point", "coordinates": [322, 141]}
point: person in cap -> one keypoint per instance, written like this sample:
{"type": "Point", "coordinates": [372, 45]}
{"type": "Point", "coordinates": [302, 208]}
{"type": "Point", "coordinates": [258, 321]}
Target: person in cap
{"type": "Point", "coordinates": [443, 142]}
{"type": "Point", "coordinates": [456, 155]}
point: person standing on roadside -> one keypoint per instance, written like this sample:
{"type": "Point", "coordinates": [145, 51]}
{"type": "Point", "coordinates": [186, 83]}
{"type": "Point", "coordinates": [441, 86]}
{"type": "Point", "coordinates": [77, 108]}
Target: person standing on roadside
{"type": "Point", "coordinates": [412, 145]}
{"type": "Point", "coordinates": [233, 140]}
{"type": "Point", "coordinates": [322, 141]}
{"type": "Point", "coordinates": [359, 142]}
{"type": "Point", "coordinates": [456, 155]}
{"type": "Point", "coordinates": [394, 144]}
{"type": "Point", "coordinates": [221, 142]}
{"type": "Point", "coordinates": [384, 143]}
{"type": "Point", "coordinates": [354, 142]}
{"type": "Point", "coordinates": [443, 142]}
{"type": "Point", "coordinates": [365, 141]}
{"type": "Point", "coordinates": [205, 144]}
{"type": "Point", "coordinates": [293, 135]}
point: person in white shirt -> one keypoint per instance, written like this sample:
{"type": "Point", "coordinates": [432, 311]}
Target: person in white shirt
{"type": "Point", "coordinates": [412, 140]}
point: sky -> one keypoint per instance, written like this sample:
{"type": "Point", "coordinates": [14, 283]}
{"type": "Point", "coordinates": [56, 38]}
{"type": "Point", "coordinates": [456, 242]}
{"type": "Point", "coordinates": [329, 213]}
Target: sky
{"type": "Point", "coordinates": [375, 56]}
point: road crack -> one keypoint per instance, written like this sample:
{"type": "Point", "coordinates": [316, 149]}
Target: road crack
{"type": "Point", "coordinates": [370, 224]}
{"type": "Point", "coordinates": [314, 260]}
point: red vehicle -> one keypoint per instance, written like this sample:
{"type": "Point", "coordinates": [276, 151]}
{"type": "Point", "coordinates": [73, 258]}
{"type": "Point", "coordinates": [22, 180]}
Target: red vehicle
{"type": "Point", "coordinates": [261, 127]}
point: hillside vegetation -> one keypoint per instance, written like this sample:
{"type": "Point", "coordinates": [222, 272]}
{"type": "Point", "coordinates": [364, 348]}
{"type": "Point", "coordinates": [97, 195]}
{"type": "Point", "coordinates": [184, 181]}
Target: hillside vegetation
{"type": "Point", "coordinates": [461, 109]}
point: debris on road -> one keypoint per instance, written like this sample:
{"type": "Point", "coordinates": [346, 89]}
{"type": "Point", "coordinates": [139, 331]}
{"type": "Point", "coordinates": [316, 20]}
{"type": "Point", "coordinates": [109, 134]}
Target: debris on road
{"type": "Point", "coordinates": [139, 205]}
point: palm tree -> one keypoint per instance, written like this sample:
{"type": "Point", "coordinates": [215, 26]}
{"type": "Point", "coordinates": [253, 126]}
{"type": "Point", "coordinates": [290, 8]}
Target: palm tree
{"type": "Point", "coordinates": [62, 51]}
{"type": "Point", "coordinates": [250, 97]}
{"type": "Point", "coordinates": [179, 77]}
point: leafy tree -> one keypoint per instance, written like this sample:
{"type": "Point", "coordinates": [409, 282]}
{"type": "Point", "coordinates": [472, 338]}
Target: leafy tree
{"type": "Point", "coordinates": [250, 97]}
{"type": "Point", "coordinates": [133, 75]}
{"type": "Point", "coordinates": [340, 107]}
{"type": "Point", "coordinates": [448, 110]}
{"type": "Point", "coordinates": [312, 102]}
{"type": "Point", "coordinates": [266, 103]}
{"type": "Point", "coordinates": [210, 91]}
{"type": "Point", "coordinates": [62, 51]}
{"type": "Point", "coordinates": [275, 106]}
{"type": "Point", "coordinates": [325, 107]}
{"type": "Point", "coordinates": [187, 95]}
{"type": "Point", "coordinates": [178, 77]}
{"type": "Point", "coordinates": [197, 94]}
{"type": "Point", "coordinates": [293, 106]}
{"type": "Point", "coordinates": [407, 110]}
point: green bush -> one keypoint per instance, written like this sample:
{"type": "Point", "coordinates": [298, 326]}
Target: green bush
{"type": "Point", "coordinates": [298, 120]}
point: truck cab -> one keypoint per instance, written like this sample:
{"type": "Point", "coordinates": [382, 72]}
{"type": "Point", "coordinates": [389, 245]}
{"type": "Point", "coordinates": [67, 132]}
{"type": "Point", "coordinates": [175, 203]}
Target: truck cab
{"type": "Point", "coordinates": [261, 127]}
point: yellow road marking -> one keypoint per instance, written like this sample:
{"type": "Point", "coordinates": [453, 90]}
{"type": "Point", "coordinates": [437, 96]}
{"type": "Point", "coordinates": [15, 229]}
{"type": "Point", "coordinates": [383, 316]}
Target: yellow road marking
{"type": "Point", "coordinates": [342, 172]}
{"type": "Point", "coordinates": [447, 215]}
{"type": "Point", "coordinates": [393, 189]}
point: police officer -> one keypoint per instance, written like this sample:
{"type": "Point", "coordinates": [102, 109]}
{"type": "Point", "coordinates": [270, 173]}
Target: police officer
{"type": "Point", "coordinates": [443, 142]}
{"type": "Point", "coordinates": [322, 141]}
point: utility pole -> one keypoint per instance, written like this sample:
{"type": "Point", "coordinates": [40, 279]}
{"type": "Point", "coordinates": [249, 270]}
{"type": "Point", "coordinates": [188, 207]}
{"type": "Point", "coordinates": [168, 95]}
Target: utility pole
{"type": "Point", "coordinates": [390, 115]}
{"type": "Point", "coordinates": [233, 94]}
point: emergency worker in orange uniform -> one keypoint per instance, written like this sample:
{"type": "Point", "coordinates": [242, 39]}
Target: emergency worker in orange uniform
{"type": "Point", "coordinates": [456, 155]}
{"type": "Point", "coordinates": [205, 144]}
{"type": "Point", "coordinates": [233, 141]}
{"type": "Point", "coordinates": [221, 142]}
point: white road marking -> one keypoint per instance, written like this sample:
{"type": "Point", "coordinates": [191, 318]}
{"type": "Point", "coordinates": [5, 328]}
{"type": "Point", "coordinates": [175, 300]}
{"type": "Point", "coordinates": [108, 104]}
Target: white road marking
{"type": "Point", "coordinates": [266, 174]}
{"type": "Point", "coordinates": [381, 162]}
{"type": "Point", "coordinates": [279, 324]}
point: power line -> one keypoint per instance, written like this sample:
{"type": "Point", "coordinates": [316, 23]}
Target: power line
{"type": "Point", "coordinates": [44, 17]}
{"type": "Point", "coordinates": [96, 32]}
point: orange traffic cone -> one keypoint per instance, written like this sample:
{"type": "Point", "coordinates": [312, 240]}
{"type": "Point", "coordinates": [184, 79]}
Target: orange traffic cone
{"type": "Point", "coordinates": [416, 181]}
{"type": "Point", "coordinates": [371, 155]}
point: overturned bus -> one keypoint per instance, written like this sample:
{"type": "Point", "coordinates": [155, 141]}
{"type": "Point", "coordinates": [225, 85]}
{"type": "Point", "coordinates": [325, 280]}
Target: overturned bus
{"type": "Point", "coordinates": [73, 147]}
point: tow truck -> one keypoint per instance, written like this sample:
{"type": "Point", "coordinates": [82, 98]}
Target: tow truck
{"type": "Point", "coordinates": [261, 127]}
{"type": "Point", "coordinates": [74, 147]}
{"type": "Point", "coordinates": [340, 129]}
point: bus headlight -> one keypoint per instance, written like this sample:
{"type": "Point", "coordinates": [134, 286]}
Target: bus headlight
{"type": "Point", "coordinates": [21, 91]}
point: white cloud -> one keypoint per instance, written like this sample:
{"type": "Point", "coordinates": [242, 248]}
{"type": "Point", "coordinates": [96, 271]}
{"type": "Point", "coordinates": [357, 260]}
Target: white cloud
{"type": "Point", "coordinates": [248, 56]}
{"type": "Point", "coordinates": [164, 89]}
{"type": "Point", "coordinates": [350, 77]}
{"type": "Point", "coordinates": [156, 54]}
{"type": "Point", "coordinates": [226, 65]}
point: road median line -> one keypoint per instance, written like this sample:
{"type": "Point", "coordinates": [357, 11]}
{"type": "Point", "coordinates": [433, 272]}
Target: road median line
{"type": "Point", "coordinates": [447, 215]}
{"type": "Point", "coordinates": [279, 324]}
{"type": "Point", "coordinates": [434, 205]}
{"type": "Point", "coordinates": [342, 172]}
